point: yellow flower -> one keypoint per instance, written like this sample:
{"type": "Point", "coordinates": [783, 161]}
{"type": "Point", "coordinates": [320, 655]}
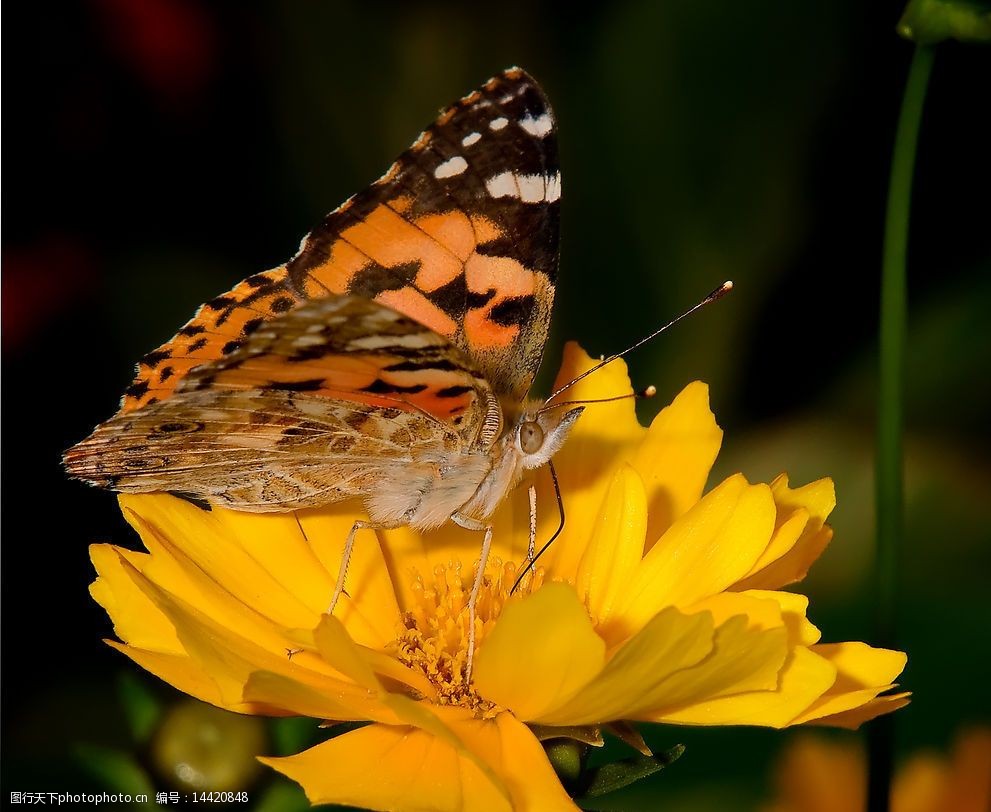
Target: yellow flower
{"type": "Point", "coordinates": [815, 775]}
{"type": "Point", "coordinates": [657, 604]}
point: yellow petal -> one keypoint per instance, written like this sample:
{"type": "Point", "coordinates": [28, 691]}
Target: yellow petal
{"type": "Point", "coordinates": [270, 690]}
{"type": "Point", "coordinates": [703, 552]}
{"type": "Point", "coordinates": [363, 665]}
{"type": "Point", "coordinates": [804, 677]}
{"type": "Point", "coordinates": [391, 768]}
{"type": "Point", "coordinates": [793, 611]}
{"type": "Point", "coordinates": [136, 619]}
{"type": "Point", "coordinates": [515, 755]}
{"type": "Point", "coordinates": [818, 498]}
{"type": "Point", "coordinates": [368, 609]}
{"type": "Point", "coordinates": [761, 613]}
{"type": "Point", "coordinates": [230, 659]}
{"type": "Point", "coordinates": [788, 559]}
{"type": "Point", "coordinates": [861, 665]}
{"type": "Point", "coordinates": [169, 566]}
{"type": "Point", "coordinates": [641, 672]}
{"type": "Point", "coordinates": [863, 672]}
{"type": "Point", "coordinates": [764, 610]}
{"type": "Point", "coordinates": [788, 529]}
{"type": "Point", "coordinates": [542, 650]}
{"type": "Point", "coordinates": [185, 674]}
{"type": "Point", "coordinates": [855, 717]}
{"type": "Point", "coordinates": [432, 769]}
{"type": "Point", "coordinates": [243, 552]}
{"type": "Point", "coordinates": [743, 661]}
{"type": "Point", "coordinates": [168, 573]}
{"type": "Point", "coordinates": [616, 545]}
{"type": "Point", "coordinates": [675, 457]}
{"type": "Point", "coordinates": [339, 651]}
{"type": "Point", "coordinates": [274, 562]}
{"type": "Point", "coordinates": [604, 436]}
{"type": "Point", "coordinates": [452, 725]}
{"type": "Point", "coordinates": [615, 422]}
{"type": "Point", "coordinates": [176, 578]}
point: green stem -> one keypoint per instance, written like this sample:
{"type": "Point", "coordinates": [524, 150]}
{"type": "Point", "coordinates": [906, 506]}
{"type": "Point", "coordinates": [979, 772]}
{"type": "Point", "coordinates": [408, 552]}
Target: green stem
{"type": "Point", "coordinates": [889, 465]}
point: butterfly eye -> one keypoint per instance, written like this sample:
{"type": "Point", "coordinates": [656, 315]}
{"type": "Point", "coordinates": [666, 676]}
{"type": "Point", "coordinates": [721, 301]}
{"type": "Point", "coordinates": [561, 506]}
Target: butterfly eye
{"type": "Point", "coordinates": [531, 437]}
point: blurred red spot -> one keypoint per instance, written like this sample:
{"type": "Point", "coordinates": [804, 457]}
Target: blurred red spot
{"type": "Point", "coordinates": [168, 43]}
{"type": "Point", "coordinates": [40, 282]}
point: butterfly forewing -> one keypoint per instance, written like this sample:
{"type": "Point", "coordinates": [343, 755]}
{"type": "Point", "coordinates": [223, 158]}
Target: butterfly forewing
{"type": "Point", "coordinates": [460, 234]}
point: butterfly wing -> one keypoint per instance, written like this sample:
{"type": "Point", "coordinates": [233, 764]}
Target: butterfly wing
{"type": "Point", "coordinates": [461, 235]}
{"type": "Point", "coordinates": [330, 400]}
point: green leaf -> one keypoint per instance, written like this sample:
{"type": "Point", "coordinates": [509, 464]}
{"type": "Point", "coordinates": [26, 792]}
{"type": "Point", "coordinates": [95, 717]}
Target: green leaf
{"type": "Point", "coordinates": [619, 774]}
{"type": "Point", "coordinates": [931, 21]}
{"type": "Point", "coordinates": [114, 770]}
{"type": "Point", "coordinates": [141, 706]}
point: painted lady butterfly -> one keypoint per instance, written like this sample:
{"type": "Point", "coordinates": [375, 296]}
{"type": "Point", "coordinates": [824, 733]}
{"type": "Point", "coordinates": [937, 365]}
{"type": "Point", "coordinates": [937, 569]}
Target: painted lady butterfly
{"type": "Point", "coordinates": [390, 359]}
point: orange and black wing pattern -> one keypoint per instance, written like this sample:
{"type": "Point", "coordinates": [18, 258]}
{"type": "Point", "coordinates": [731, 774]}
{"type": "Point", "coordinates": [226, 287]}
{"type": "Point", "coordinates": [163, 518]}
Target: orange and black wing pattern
{"type": "Point", "coordinates": [355, 350]}
{"type": "Point", "coordinates": [329, 400]}
{"type": "Point", "coordinates": [460, 235]}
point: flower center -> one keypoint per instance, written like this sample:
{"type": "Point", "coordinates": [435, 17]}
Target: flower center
{"type": "Point", "coordinates": [433, 638]}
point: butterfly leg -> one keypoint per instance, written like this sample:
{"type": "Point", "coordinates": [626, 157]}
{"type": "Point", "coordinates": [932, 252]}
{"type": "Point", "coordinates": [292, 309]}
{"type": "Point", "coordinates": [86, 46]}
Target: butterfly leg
{"type": "Point", "coordinates": [531, 546]}
{"type": "Point", "coordinates": [473, 524]}
{"type": "Point", "coordinates": [346, 559]}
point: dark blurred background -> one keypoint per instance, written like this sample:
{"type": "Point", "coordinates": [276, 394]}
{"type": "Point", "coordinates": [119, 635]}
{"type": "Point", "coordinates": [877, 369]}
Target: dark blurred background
{"type": "Point", "coordinates": [159, 151]}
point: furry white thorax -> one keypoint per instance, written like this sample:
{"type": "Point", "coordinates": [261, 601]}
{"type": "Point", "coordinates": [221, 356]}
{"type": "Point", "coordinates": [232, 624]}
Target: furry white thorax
{"type": "Point", "coordinates": [473, 483]}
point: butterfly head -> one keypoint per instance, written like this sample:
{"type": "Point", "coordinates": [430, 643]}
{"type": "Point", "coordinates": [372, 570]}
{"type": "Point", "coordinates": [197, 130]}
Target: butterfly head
{"type": "Point", "coordinates": [539, 433]}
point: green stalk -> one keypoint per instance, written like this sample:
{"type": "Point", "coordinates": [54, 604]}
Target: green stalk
{"type": "Point", "coordinates": [889, 465]}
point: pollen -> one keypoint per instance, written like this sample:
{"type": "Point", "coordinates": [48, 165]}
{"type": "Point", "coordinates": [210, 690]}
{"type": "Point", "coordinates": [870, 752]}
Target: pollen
{"type": "Point", "coordinates": [433, 638]}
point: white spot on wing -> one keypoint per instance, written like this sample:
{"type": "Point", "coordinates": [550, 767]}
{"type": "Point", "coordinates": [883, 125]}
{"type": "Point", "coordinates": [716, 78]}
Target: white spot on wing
{"type": "Point", "coordinates": [526, 188]}
{"type": "Point", "coordinates": [451, 167]}
{"type": "Point", "coordinates": [498, 123]}
{"type": "Point", "coordinates": [502, 185]}
{"type": "Point", "coordinates": [539, 126]}
{"type": "Point", "coordinates": [471, 138]}
{"type": "Point", "coordinates": [532, 188]}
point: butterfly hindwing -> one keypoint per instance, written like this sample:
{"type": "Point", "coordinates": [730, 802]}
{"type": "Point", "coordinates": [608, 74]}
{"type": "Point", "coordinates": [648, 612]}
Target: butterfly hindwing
{"type": "Point", "coordinates": [461, 235]}
{"type": "Point", "coordinates": [253, 449]}
{"type": "Point", "coordinates": [329, 400]}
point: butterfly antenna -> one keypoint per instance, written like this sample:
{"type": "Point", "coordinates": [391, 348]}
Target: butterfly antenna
{"type": "Point", "coordinates": [647, 392]}
{"type": "Point", "coordinates": [560, 509]}
{"type": "Point", "coordinates": [718, 293]}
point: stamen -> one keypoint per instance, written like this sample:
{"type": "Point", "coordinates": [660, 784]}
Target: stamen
{"type": "Point", "coordinates": [433, 637]}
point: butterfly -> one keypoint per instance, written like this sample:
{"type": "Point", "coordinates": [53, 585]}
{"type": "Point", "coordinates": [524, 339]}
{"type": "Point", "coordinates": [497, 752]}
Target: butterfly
{"type": "Point", "coordinates": [389, 360]}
